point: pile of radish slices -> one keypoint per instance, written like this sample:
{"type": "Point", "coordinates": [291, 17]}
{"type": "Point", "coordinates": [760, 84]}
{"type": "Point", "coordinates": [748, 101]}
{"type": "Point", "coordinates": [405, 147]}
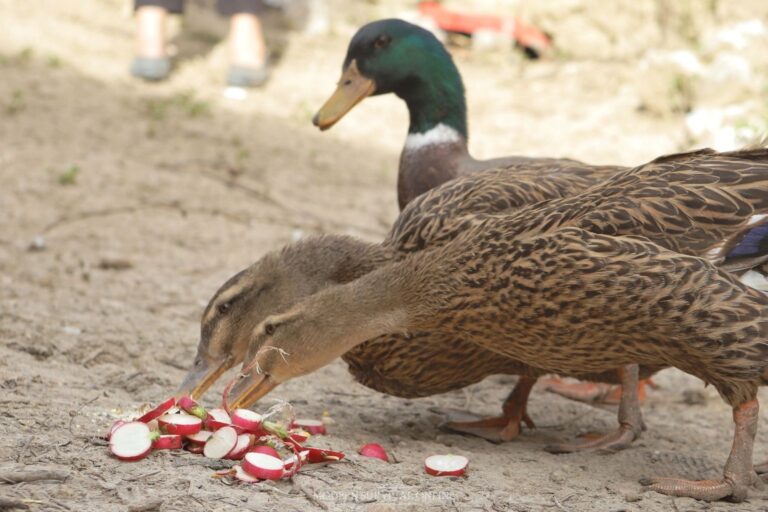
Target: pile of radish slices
{"type": "Point", "coordinates": [268, 450]}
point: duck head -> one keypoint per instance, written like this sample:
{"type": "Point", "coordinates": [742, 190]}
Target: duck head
{"type": "Point", "coordinates": [270, 286]}
{"type": "Point", "coordinates": [394, 56]}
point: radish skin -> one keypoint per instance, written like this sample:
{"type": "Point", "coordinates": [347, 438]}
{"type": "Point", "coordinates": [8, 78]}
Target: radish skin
{"type": "Point", "coordinates": [217, 418]}
{"type": "Point", "coordinates": [220, 443]}
{"type": "Point", "coordinates": [244, 442]}
{"type": "Point", "coordinates": [197, 449]}
{"type": "Point", "coordinates": [263, 466]}
{"type": "Point", "coordinates": [246, 419]}
{"type": "Point", "coordinates": [315, 455]}
{"type": "Point", "coordinates": [157, 411]}
{"type": "Point", "coordinates": [299, 435]}
{"type": "Point", "coordinates": [374, 451]}
{"type": "Point", "coordinates": [180, 424]}
{"type": "Point", "coordinates": [267, 450]}
{"type": "Point", "coordinates": [188, 405]}
{"type": "Point", "coordinates": [132, 441]}
{"type": "Point", "coordinates": [446, 465]}
{"type": "Point", "coordinates": [168, 442]}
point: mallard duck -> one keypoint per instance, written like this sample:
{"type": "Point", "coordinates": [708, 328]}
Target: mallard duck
{"type": "Point", "coordinates": [580, 291]}
{"type": "Point", "coordinates": [394, 56]}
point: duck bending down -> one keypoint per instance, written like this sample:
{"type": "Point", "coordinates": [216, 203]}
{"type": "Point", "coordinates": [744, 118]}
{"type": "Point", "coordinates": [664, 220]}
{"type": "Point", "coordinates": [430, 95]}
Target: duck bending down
{"type": "Point", "coordinates": [568, 300]}
{"type": "Point", "coordinates": [713, 200]}
{"type": "Point", "coordinates": [394, 56]}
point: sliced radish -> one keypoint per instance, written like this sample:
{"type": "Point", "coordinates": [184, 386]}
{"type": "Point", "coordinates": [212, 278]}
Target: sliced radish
{"type": "Point", "coordinates": [290, 461]}
{"type": "Point", "coordinates": [217, 418]}
{"type": "Point", "coordinates": [168, 442]}
{"type": "Point", "coordinates": [243, 476]}
{"type": "Point", "coordinates": [197, 449]}
{"type": "Point", "coordinates": [200, 438]}
{"type": "Point", "coordinates": [268, 450]}
{"type": "Point", "coordinates": [244, 441]}
{"type": "Point", "coordinates": [316, 427]}
{"type": "Point", "coordinates": [299, 435]}
{"type": "Point", "coordinates": [319, 455]}
{"type": "Point", "coordinates": [220, 443]}
{"type": "Point", "coordinates": [263, 466]}
{"type": "Point", "coordinates": [446, 465]}
{"type": "Point", "coordinates": [375, 451]}
{"type": "Point", "coordinates": [157, 411]}
{"type": "Point", "coordinates": [180, 424]}
{"type": "Point", "coordinates": [187, 404]}
{"type": "Point", "coordinates": [246, 419]}
{"type": "Point", "coordinates": [131, 441]}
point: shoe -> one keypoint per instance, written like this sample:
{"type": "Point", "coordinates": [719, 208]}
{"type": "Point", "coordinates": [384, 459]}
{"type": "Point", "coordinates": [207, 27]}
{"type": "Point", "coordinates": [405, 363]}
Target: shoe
{"type": "Point", "coordinates": [241, 76]}
{"type": "Point", "coordinates": [151, 69]}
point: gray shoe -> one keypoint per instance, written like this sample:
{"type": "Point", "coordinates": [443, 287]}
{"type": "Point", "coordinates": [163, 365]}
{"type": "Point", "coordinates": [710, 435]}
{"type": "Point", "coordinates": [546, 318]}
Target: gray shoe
{"type": "Point", "coordinates": [152, 69]}
{"type": "Point", "coordinates": [241, 76]}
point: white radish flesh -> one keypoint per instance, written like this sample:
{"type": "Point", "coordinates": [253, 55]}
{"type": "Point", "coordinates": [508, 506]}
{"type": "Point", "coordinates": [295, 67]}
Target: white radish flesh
{"type": "Point", "coordinates": [446, 465]}
{"type": "Point", "coordinates": [180, 424]}
{"type": "Point", "coordinates": [263, 466]}
{"type": "Point", "coordinates": [316, 427]}
{"type": "Point", "coordinates": [200, 438]}
{"type": "Point", "coordinates": [220, 443]}
{"type": "Point", "coordinates": [158, 411]}
{"type": "Point", "coordinates": [217, 418]}
{"type": "Point", "coordinates": [244, 442]}
{"type": "Point", "coordinates": [246, 419]}
{"type": "Point", "coordinates": [131, 441]}
{"type": "Point", "coordinates": [243, 476]}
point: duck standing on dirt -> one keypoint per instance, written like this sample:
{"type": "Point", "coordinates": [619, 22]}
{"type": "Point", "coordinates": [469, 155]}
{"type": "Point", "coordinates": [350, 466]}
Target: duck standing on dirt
{"type": "Point", "coordinates": [715, 198]}
{"type": "Point", "coordinates": [577, 296]}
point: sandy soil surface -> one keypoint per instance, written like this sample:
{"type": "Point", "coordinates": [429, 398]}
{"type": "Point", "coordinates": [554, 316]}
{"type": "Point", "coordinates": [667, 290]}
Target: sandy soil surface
{"type": "Point", "coordinates": [123, 206]}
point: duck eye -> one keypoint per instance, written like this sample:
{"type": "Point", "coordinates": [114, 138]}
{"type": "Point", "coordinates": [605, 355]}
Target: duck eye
{"type": "Point", "coordinates": [382, 41]}
{"type": "Point", "coordinates": [269, 329]}
{"type": "Point", "coordinates": [224, 307]}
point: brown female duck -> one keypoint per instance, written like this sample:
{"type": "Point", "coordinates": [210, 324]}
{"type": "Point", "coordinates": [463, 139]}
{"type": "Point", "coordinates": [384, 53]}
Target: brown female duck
{"type": "Point", "coordinates": [583, 291]}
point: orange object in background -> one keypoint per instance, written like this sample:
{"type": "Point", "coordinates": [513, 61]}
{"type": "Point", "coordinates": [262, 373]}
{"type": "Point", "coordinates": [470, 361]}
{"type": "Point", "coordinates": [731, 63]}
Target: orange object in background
{"type": "Point", "coordinates": [522, 33]}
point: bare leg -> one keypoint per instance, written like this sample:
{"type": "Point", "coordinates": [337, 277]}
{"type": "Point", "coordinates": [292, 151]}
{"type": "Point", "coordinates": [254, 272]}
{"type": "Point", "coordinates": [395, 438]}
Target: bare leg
{"type": "Point", "coordinates": [246, 41]}
{"type": "Point", "coordinates": [630, 420]}
{"type": "Point", "coordinates": [507, 426]}
{"type": "Point", "coordinates": [738, 474]}
{"type": "Point", "coordinates": [150, 31]}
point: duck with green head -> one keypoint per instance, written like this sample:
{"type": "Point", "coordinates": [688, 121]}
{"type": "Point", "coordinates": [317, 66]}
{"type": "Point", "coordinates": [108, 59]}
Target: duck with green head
{"type": "Point", "coordinates": [394, 56]}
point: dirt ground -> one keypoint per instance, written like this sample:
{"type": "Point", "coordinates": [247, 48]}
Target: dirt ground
{"type": "Point", "coordinates": [123, 206]}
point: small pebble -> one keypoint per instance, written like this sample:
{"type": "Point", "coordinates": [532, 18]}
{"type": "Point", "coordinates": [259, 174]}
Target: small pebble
{"type": "Point", "coordinates": [37, 244]}
{"type": "Point", "coordinates": [410, 480]}
{"type": "Point", "coordinates": [68, 329]}
{"type": "Point", "coordinates": [632, 497]}
{"type": "Point", "coordinates": [558, 476]}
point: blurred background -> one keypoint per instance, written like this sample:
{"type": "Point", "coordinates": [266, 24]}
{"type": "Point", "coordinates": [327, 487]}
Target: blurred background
{"type": "Point", "coordinates": [125, 204]}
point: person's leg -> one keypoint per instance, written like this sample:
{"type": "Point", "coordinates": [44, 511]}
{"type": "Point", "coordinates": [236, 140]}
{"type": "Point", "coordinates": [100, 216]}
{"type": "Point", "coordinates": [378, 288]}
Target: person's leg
{"type": "Point", "coordinates": [152, 62]}
{"type": "Point", "coordinates": [248, 50]}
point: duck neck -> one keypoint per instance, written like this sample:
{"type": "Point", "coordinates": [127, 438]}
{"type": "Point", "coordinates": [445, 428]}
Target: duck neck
{"type": "Point", "coordinates": [435, 97]}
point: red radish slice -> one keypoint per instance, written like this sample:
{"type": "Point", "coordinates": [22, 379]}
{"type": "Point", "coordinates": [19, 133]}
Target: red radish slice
{"type": "Point", "coordinates": [268, 450]}
{"type": "Point", "coordinates": [243, 476]}
{"type": "Point", "coordinates": [200, 438]}
{"type": "Point", "coordinates": [319, 455]}
{"type": "Point", "coordinates": [131, 441]}
{"type": "Point", "coordinates": [246, 419]}
{"type": "Point", "coordinates": [316, 427]}
{"type": "Point", "coordinates": [375, 451]}
{"type": "Point", "coordinates": [158, 411]}
{"type": "Point", "coordinates": [168, 442]}
{"type": "Point", "coordinates": [220, 443]}
{"type": "Point", "coordinates": [188, 405]}
{"type": "Point", "coordinates": [299, 435]}
{"type": "Point", "coordinates": [197, 449]}
{"type": "Point", "coordinates": [446, 465]}
{"type": "Point", "coordinates": [244, 441]}
{"type": "Point", "coordinates": [263, 466]}
{"type": "Point", "coordinates": [217, 418]}
{"type": "Point", "coordinates": [180, 424]}
{"type": "Point", "coordinates": [290, 461]}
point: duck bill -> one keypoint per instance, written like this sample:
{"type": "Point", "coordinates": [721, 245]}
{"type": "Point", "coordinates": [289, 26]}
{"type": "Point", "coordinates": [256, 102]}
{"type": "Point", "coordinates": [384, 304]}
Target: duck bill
{"type": "Point", "coordinates": [250, 389]}
{"type": "Point", "coordinates": [202, 377]}
{"type": "Point", "coordinates": [352, 88]}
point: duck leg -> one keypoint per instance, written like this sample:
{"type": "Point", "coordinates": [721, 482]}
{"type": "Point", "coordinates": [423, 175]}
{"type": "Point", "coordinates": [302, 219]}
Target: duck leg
{"type": "Point", "coordinates": [593, 392]}
{"type": "Point", "coordinates": [738, 474]}
{"type": "Point", "coordinates": [507, 426]}
{"type": "Point", "coordinates": [630, 420]}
